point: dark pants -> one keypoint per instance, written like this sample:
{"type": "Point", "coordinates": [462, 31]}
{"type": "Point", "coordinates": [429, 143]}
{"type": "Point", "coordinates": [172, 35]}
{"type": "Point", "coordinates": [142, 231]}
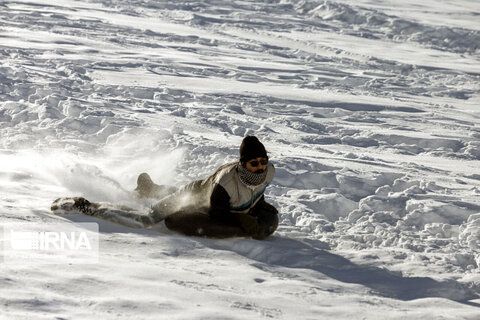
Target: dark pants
{"type": "Point", "coordinates": [201, 224]}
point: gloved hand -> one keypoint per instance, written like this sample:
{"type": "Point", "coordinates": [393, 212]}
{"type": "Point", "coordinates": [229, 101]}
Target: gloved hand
{"type": "Point", "coordinates": [248, 223]}
{"type": "Point", "coordinates": [265, 206]}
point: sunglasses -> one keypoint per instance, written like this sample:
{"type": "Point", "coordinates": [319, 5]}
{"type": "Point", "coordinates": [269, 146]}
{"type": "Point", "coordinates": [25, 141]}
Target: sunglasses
{"type": "Point", "coordinates": [255, 163]}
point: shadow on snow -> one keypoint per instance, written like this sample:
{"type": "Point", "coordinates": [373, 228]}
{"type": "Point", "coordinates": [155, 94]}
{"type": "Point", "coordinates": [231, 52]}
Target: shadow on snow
{"type": "Point", "coordinates": [291, 253]}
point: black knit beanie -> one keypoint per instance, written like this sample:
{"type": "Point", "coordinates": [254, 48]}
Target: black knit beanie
{"type": "Point", "coordinates": [251, 148]}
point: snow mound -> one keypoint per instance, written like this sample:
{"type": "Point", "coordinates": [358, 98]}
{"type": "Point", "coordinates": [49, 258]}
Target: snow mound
{"type": "Point", "coordinates": [469, 233]}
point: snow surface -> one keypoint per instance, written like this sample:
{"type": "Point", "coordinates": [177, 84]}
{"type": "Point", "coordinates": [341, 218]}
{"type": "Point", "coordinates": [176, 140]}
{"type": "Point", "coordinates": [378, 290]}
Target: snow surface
{"type": "Point", "coordinates": [369, 111]}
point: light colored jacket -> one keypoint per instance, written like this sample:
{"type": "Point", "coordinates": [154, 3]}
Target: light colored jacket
{"type": "Point", "coordinates": [222, 195]}
{"type": "Point", "coordinates": [242, 197]}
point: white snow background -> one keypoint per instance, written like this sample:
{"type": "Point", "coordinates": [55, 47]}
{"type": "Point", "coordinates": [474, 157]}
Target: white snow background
{"type": "Point", "coordinates": [369, 111]}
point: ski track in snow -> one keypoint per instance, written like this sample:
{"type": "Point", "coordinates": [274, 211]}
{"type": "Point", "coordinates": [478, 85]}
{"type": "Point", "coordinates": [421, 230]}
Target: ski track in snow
{"type": "Point", "coordinates": [369, 112]}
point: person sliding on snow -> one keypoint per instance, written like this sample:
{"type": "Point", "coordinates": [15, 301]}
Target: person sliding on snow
{"type": "Point", "coordinates": [229, 203]}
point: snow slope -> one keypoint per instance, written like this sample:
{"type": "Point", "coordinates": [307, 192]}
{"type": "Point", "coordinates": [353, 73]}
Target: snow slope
{"type": "Point", "coordinates": [369, 111]}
